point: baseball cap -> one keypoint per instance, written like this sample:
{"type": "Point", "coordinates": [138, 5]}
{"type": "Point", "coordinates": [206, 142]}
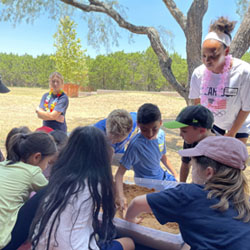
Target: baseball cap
{"type": "Point", "coordinates": [226, 150]}
{"type": "Point", "coordinates": [45, 129]}
{"type": "Point", "coordinates": [3, 88]}
{"type": "Point", "coordinates": [196, 115]}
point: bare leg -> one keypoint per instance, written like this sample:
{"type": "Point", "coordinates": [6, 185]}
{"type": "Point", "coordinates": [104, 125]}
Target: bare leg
{"type": "Point", "coordinates": [185, 247]}
{"type": "Point", "coordinates": [127, 243]}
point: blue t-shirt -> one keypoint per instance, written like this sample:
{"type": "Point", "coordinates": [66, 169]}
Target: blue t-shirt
{"type": "Point", "coordinates": [61, 106]}
{"type": "Point", "coordinates": [201, 226]}
{"type": "Point", "coordinates": [145, 156]}
{"type": "Point", "coordinates": [120, 146]}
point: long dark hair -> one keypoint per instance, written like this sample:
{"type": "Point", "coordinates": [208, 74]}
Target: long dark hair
{"type": "Point", "coordinates": [21, 146]}
{"type": "Point", "coordinates": [86, 157]}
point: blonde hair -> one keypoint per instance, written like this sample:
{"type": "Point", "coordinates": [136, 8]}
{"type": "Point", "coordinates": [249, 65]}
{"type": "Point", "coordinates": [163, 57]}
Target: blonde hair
{"type": "Point", "coordinates": [227, 184]}
{"type": "Point", "coordinates": [119, 123]}
{"type": "Point", "coordinates": [56, 74]}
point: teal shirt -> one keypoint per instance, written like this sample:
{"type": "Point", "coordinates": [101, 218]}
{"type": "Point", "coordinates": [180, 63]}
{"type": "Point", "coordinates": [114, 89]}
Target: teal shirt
{"type": "Point", "coordinates": [17, 181]}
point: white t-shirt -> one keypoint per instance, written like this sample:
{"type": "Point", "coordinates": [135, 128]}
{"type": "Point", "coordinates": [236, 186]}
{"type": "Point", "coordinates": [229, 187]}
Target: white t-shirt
{"type": "Point", "coordinates": [237, 94]}
{"type": "Point", "coordinates": [75, 225]}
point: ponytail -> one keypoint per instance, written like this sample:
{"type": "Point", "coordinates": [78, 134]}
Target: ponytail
{"type": "Point", "coordinates": [22, 146]}
{"type": "Point", "coordinates": [13, 131]}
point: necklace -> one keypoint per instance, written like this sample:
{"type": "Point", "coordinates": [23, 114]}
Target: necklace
{"type": "Point", "coordinates": [53, 104]}
{"type": "Point", "coordinates": [214, 103]}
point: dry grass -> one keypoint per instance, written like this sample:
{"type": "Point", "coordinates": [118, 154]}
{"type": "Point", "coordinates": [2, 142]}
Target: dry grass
{"type": "Point", "coordinates": [18, 109]}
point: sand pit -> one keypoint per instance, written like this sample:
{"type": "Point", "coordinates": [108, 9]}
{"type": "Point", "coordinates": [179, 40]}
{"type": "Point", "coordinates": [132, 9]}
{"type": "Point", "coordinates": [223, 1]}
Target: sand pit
{"type": "Point", "coordinates": [131, 191]}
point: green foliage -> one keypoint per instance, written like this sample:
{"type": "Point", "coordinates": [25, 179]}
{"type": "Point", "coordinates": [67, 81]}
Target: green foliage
{"type": "Point", "coordinates": [69, 58]}
{"type": "Point", "coordinates": [153, 77]}
{"type": "Point", "coordinates": [18, 10]}
{"type": "Point", "coordinates": [132, 71]}
{"type": "Point", "coordinates": [121, 71]}
{"type": "Point", "coordinates": [241, 7]}
{"type": "Point", "coordinates": [180, 68]}
{"type": "Point", "coordinates": [25, 70]}
{"type": "Point", "coordinates": [246, 57]}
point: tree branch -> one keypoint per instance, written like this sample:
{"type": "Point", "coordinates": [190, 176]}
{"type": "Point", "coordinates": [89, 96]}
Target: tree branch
{"type": "Point", "coordinates": [176, 13]}
{"type": "Point", "coordinates": [241, 41]}
{"type": "Point", "coordinates": [164, 60]}
{"type": "Point", "coordinates": [97, 6]}
{"type": "Point", "coordinates": [193, 34]}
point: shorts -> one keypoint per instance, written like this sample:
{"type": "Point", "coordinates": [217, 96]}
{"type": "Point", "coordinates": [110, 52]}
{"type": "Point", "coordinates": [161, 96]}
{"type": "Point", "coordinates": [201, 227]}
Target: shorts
{"type": "Point", "coordinates": [218, 131]}
{"type": "Point", "coordinates": [168, 177]}
{"type": "Point", "coordinates": [114, 245]}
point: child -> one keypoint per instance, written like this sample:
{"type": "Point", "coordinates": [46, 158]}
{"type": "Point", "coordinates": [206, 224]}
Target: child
{"type": "Point", "coordinates": [118, 126]}
{"type": "Point", "coordinates": [28, 155]}
{"type": "Point", "coordinates": [80, 185]}
{"type": "Point", "coordinates": [61, 140]}
{"type": "Point", "coordinates": [195, 123]}
{"type": "Point", "coordinates": [214, 211]}
{"type": "Point", "coordinates": [145, 152]}
{"type": "Point", "coordinates": [13, 131]}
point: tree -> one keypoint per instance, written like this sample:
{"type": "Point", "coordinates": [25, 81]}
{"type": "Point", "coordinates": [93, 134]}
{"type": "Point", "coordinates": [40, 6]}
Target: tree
{"type": "Point", "coordinates": [154, 80]}
{"type": "Point", "coordinates": [25, 70]}
{"type": "Point", "coordinates": [69, 58]}
{"type": "Point", "coordinates": [191, 25]}
{"type": "Point", "coordinates": [246, 57]}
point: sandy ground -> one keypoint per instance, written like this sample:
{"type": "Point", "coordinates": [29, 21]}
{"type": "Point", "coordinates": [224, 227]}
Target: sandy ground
{"type": "Point", "coordinates": [18, 109]}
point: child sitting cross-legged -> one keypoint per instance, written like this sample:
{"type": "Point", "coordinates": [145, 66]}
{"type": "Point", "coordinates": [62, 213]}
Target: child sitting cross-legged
{"type": "Point", "coordinates": [214, 211]}
{"type": "Point", "coordinates": [145, 152]}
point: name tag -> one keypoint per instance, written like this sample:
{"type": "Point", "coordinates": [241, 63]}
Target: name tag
{"type": "Point", "coordinates": [230, 91]}
{"type": "Point", "coordinates": [161, 147]}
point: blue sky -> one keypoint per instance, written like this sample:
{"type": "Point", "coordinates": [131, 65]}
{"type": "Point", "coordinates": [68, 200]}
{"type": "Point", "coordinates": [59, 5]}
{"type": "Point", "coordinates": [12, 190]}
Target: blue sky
{"type": "Point", "coordinates": [37, 38]}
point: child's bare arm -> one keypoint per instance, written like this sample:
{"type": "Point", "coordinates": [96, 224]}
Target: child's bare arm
{"type": "Point", "coordinates": [169, 166]}
{"type": "Point", "coordinates": [137, 206]}
{"type": "Point", "coordinates": [120, 197]}
{"type": "Point", "coordinates": [185, 167]}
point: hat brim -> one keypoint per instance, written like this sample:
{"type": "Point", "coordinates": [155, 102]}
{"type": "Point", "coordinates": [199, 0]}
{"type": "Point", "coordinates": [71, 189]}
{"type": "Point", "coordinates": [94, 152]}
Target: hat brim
{"type": "Point", "coordinates": [3, 88]}
{"type": "Point", "coordinates": [45, 129]}
{"type": "Point", "coordinates": [190, 152]}
{"type": "Point", "coordinates": [174, 124]}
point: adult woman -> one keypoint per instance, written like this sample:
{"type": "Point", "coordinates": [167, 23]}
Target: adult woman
{"type": "Point", "coordinates": [53, 105]}
{"type": "Point", "coordinates": [222, 83]}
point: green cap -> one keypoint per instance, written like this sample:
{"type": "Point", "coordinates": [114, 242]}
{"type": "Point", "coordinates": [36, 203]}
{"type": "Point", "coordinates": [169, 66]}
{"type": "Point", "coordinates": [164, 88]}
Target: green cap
{"type": "Point", "coordinates": [174, 124]}
{"type": "Point", "coordinates": [196, 115]}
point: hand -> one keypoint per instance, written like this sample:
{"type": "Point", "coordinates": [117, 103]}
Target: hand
{"type": "Point", "coordinates": [230, 133]}
{"type": "Point", "coordinates": [136, 220]}
{"type": "Point", "coordinates": [122, 205]}
{"type": "Point", "coordinates": [176, 176]}
{"type": "Point", "coordinates": [37, 109]}
{"type": "Point", "coordinates": [60, 119]}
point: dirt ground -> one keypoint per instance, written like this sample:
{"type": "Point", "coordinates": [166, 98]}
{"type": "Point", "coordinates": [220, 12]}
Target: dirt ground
{"type": "Point", "coordinates": [18, 109]}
